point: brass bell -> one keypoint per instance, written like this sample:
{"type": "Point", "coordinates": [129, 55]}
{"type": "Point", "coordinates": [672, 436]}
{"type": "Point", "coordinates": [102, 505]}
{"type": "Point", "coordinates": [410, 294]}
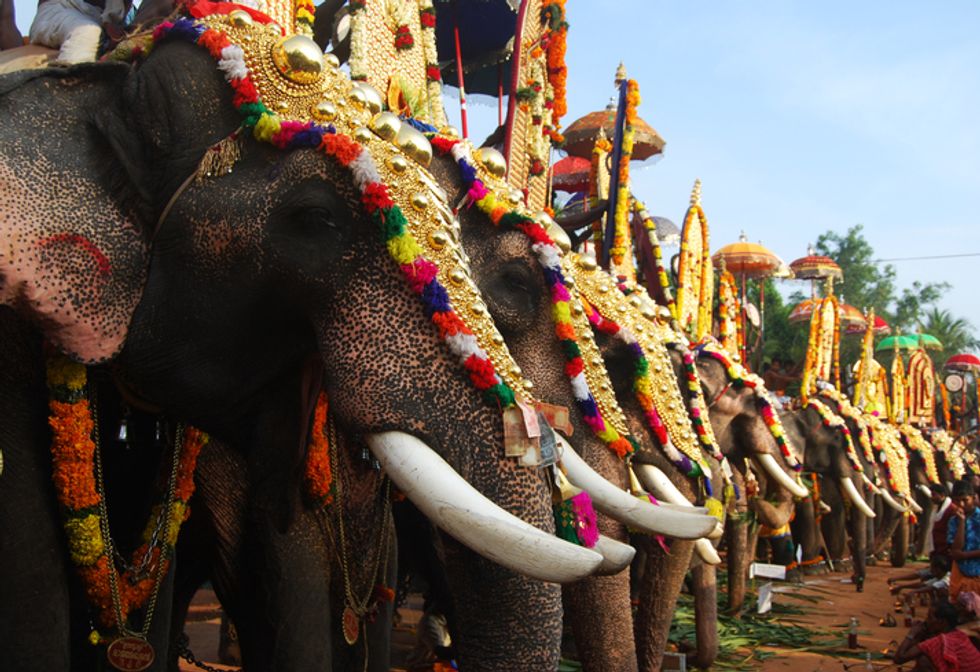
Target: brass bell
{"type": "Point", "coordinates": [414, 144]}
{"type": "Point", "coordinates": [386, 125]}
{"type": "Point", "coordinates": [372, 98]}
{"type": "Point", "coordinates": [492, 160]}
{"type": "Point", "coordinates": [299, 59]}
{"type": "Point", "coordinates": [240, 18]}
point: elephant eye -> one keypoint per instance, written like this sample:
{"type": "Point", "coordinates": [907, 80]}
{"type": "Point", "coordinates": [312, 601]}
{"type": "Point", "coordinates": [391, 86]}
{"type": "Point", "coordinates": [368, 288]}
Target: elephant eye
{"type": "Point", "coordinates": [512, 294]}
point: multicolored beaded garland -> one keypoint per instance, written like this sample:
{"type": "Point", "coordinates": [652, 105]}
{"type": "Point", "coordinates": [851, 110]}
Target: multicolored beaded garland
{"type": "Point", "coordinates": [504, 214]}
{"type": "Point", "coordinates": [740, 378]}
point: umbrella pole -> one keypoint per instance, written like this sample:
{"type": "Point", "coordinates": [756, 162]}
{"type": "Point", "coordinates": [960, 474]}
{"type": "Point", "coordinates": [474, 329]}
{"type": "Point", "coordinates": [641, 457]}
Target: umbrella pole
{"type": "Point", "coordinates": [745, 334]}
{"type": "Point", "coordinates": [762, 321]}
{"type": "Point", "coordinates": [500, 94]}
{"type": "Point", "coordinates": [459, 75]}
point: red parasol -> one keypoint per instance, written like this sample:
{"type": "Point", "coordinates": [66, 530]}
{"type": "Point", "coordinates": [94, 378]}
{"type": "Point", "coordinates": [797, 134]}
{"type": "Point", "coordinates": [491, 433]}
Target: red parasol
{"type": "Point", "coordinates": [581, 134]}
{"type": "Point", "coordinates": [881, 327]}
{"type": "Point", "coordinates": [571, 174]}
{"type": "Point", "coordinates": [747, 259]}
{"type": "Point", "coordinates": [963, 362]}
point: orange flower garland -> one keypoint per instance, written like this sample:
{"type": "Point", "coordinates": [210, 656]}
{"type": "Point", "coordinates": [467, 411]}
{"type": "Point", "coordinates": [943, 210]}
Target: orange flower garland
{"type": "Point", "coordinates": [554, 15]}
{"type": "Point", "coordinates": [319, 474]}
{"type": "Point", "coordinates": [73, 454]}
{"type": "Point", "coordinates": [621, 216]}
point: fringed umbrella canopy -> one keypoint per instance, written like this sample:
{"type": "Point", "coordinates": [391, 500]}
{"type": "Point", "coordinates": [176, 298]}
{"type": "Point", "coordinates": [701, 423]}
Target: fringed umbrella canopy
{"type": "Point", "coordinates": [667, 232]}
{"type": "Point", "coordinates": [849, 315]}
{"type": "Point", "coordinates": [581, 134]}
{"type": "Point", "coordinates": [749, 259]}
{"type": "Point", "coordinates": [816, 267]}
{"type": "Point", "coordinates": [910, 342]}
{"type": "Point", "coordinates": [881, 327]}
{"type": "Point", "coordinates": [571, 174]}
{"type": "Point", "coordinates": [963, 362]}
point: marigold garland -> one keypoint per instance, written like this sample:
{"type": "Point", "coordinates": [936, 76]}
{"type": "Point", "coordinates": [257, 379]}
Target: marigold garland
{"type": "Point", "coordinates": [730, 334]}
{"type": "Point", "coordinates": [555, 40]}
{"type": "Point", "coordinates": [834, 421]}
{"type": "Point", "coordinates": [662, 278]}
{"type": "Point", "coordinates": [305, 15]}
{"type": "Point", "coordinates": [318, 473]}
{"type": "Point", "coordinates": [73, 461]}
{"type": "Point", "coordinates": [846, 410]}
{"type": "Point", "coordinates": [621, 224]}
{"type": "Point", "coordinates": [916, 443]}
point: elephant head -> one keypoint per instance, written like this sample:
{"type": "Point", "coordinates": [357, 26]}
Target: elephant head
{"type": "Point", "coordinates": [210, 293]}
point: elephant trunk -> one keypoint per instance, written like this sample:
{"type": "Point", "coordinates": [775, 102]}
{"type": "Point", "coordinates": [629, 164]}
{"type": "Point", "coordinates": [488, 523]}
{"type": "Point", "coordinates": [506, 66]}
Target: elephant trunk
{"type": "Point", "coordinates": [705, 614]}
{"type": "Point", "coordinates": [657, 585]}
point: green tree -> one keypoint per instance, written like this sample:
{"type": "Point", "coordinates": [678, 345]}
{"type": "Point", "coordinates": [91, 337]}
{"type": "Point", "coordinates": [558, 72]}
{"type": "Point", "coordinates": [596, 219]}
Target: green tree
{"type": "Point", "coordinates": [865, 283]}
{"type": "Point", "coordinates": [956, 334]}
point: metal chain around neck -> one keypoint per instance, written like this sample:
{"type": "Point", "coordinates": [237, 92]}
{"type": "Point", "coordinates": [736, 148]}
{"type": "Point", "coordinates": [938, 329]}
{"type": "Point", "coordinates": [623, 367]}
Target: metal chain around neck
{"type": "Point", "coordinates": [110, 550]}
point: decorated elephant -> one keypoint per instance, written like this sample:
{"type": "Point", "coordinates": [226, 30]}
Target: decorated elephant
{"type": "Point", "coordinates": [229, 306]}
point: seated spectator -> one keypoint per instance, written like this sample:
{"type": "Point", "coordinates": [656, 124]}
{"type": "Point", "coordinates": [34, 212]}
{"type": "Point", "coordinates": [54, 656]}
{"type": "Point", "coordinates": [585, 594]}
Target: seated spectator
{"type": "Point", "coordinates": [933, 580]}
{"type": "Point", "coordinates": [964, 540]}
{"type": "Point", "coordinates": [75, 27]}
{"type": "Point", "coordinates": [944, 511]}
{"type": "Point", "coordinates": [937, 645]}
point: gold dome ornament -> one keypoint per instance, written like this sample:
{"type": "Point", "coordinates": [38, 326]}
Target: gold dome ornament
{"type": "Point", "coordinates": [555, 232]}
{"type": "Point", "coordinates": [411, 141]}
{"type": "Point", "coordinates": [299, 59]}
{"type": "Point", "coordinates": [240, 18]}
{"type": "Point", "coordinates": [372, 98]}
{"type": "Point", "coordinates": [386, 125]}
{"type": "Point", "coordinates": [492, 160]}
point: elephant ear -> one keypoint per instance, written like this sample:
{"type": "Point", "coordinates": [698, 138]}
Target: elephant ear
{"type": "Point", "coordinates": [73, 256]}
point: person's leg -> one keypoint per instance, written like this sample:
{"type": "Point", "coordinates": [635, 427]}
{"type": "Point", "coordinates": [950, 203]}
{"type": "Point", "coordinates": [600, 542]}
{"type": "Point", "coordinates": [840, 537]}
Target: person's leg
{"type": "Point", "coordinates": [10, 36]}
{"type": "Point", "coordinates": [72, 27]}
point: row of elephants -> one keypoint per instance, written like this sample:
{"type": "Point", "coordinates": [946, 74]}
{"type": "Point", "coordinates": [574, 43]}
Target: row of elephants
{"type": "Point", "coordinates": [237, 303]}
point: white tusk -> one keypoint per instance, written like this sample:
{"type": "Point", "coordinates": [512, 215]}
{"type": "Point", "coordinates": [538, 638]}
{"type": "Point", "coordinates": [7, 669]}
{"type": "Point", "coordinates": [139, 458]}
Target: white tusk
{"type": "Point", "coordinates": [626, 508]}
{"type": "Point", "coordinates": [924, 489]}
{"type": "Point", "coordinates": [456, 507]}
{"type": "Point", "coordinates": [616, 556]}
{"type": "Point", "coordinates": [856, 499]}
{"type": "Point", "coordinates": [892, 502]}
{"type": "Point", "coordinates": [772, 468]}
{"type": "Point", "coordinates": [657, 482]}
{"type": "Point", "coordinates": [707, 552]}
{"type": "Point", "coordinates": [825, 507]}
{"type": "Point", "coordinates": [874, 488]}
{"type": "Point", "coordinates": [914, 505]}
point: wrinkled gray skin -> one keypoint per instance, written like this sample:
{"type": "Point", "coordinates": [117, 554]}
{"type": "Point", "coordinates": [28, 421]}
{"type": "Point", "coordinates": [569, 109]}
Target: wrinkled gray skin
{"type": "Point", "coordinates": [243, 286]}
{"type": "Point", "coordinates": [825, 455]}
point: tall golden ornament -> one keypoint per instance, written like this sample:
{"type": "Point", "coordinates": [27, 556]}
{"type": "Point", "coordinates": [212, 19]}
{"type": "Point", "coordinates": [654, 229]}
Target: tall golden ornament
{"type": "Point", "coordinates": [899, 401]}
{"type": "Point", "coordinates": [531, 120]}
{"type": "Point", "coordinates": [729, 325]}
{"type": "Point", "coordinates": [922, 390]}
{"type": "Point", "coordinates": [393, 49]}
{"type": "Point", "coordinates": [695, 275]}
{"type": "Point", "coordinates": [823, 345]}
{"type": "Point", "coordinates": [871, 389]}
{"type": "Point", "coordinates": [599, 185]}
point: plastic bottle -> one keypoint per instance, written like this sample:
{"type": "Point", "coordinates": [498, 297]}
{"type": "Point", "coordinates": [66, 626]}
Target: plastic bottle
{"type": "Point", "coordinates": [852, 634]}
{"type": "Point", "coordinates": [868, 665]}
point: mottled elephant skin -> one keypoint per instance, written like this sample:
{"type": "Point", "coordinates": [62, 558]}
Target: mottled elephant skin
{"type": "Point", "coordinates": [213, 320]}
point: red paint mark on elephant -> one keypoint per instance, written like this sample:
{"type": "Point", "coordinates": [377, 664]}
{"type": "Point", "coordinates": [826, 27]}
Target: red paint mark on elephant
{"type": "Point", "coordinates": [101, 261]}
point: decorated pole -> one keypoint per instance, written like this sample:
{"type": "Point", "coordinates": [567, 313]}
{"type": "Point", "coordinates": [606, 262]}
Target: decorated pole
{"type": "Point", "coordinates": [617, 157]}
{"type": "Point", "coordinates": [459, 73]}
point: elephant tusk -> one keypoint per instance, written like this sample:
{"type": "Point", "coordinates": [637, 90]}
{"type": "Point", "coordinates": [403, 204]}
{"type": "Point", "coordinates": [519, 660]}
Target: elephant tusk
{"type": "Point", "coordinates": [456, 507]}
{"type": "Point", "coordinates": [771, 467]}
{"type": "Point", "coordinates": [825, 507]}
{"type": "Point", "coordinates": [707, 552]}
{"type": "Point", "coordinates": [924, 489]}
{"type": "Point", "coordinates": [871, 486]}
{"type": "Point", "coordinates": [892, 502]}
{"type": "Point", "coordinates": [616, 556]}
{"type": "Point", "coordinates": [856, 499]}
{"type": "Point", "coordinates": [914, 505]}
{"type": "Point", "coordinates": [656, 481]}
{"type": "Point", "coordinates": [626, 508]}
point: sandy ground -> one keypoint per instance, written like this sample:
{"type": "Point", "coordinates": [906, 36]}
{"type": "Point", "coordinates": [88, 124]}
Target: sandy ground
{"type": "Point", "coordinates": [838, 602]}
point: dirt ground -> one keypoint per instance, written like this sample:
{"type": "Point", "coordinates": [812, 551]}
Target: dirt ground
{"type": "Point", "coordinates": [837, 603]}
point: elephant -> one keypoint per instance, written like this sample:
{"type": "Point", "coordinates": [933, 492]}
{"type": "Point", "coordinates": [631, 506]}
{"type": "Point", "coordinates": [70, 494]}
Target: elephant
{"type": "Point", "coordinates": [220, 304]}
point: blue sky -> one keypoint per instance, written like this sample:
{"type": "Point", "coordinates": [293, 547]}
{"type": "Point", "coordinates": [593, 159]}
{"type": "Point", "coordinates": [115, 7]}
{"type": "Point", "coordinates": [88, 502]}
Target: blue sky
{"type": "Point", "coordinates": [799, 118]}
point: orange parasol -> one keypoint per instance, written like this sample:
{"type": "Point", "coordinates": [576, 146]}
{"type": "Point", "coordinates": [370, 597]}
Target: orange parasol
{"type": "Point", "coordinates": [849, 315]}
{"type": "Point", "coordinates": [750, 260]}
{"type": "Point", "coordinates": [581, 134]}
{"type": "Point", "coordinates": [571, 174]}
{"type": "Point", "coordinates": [881, 327]}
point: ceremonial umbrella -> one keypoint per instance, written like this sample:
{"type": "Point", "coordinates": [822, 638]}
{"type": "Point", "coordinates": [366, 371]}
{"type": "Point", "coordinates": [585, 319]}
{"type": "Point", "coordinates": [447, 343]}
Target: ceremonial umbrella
{"type": "Point", "coordinates": [571, 174]}
{"type": "Point", "coordinates": [815, 267]}
{"type": "Point", "coordinates": [749, 260]}
{"type": "Point", "coordinates": [581, 134]}
{"type": "Point", "coordinates": [849, 315]}
{"type": "Point", "coordinates": [909, 342]}
{"type": "Point", "coordinates": [667, 232]}
{"type": "Point", "coordinates": [963, 362]}
{"type": "Point", "coordinates": [476, 38]}
{"type": "Point", "coordinates": [881, 327]}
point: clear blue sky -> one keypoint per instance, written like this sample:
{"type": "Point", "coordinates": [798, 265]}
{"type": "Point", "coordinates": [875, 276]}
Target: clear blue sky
{"type": "Point", "coordinates": [799, 117]}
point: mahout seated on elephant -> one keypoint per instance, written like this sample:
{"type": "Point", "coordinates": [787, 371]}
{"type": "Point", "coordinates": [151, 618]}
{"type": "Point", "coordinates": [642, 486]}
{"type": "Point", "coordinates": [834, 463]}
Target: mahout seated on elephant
{"type": "Point", "coordinates": [210, 300]}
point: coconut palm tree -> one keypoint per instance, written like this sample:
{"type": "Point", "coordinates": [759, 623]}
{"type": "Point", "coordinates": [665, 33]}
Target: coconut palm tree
{"type": "Point", "coordinates": [955, 333]}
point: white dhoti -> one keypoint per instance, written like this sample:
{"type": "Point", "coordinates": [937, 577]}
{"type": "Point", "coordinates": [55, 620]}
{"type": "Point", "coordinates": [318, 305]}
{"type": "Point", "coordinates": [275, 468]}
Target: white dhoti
{"type": "Point", "coordinates": [71, 26]}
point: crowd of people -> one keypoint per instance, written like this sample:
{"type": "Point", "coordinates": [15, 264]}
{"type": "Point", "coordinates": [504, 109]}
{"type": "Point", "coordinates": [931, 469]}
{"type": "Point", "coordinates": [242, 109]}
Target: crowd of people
{"type": "Point", "coordinates": [948, 639]}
